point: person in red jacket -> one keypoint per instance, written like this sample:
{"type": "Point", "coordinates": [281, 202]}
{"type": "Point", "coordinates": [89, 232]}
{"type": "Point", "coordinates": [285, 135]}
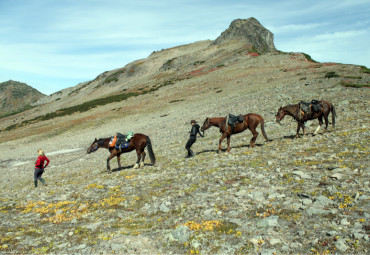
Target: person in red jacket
{"type": "Point", "coordinates": [40, 166]}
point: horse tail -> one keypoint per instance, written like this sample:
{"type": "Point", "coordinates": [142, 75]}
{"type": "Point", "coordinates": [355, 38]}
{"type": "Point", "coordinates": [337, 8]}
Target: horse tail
{"type": "Point", "coordinates": [263, 129]}
{"type": "Point", "coordinates": [150, 150]}
{"type": "Point", "coordinates": [333, 113]}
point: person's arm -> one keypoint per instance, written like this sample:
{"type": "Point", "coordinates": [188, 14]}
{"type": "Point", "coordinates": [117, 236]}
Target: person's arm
{"type": "Point", "coordinates": [199, 132]}
{"type": "Point", "coordinates": [37, 163]}
{"type": "Point", "coordinates": [47, 161]}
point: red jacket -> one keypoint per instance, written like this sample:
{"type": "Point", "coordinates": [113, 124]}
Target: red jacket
{"type": "Point", "coordinates": [40, 162]}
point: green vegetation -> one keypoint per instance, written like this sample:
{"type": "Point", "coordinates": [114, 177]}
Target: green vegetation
{"type": "Point", "coordinates": [354, 85]}
{"type": "Point", "coordinates": [308, 57]}
{"type": "Point", "coordinates": [114, 76]}
{"type": "Point", "coordinates": [77, 108]}
{"type": "Point", "coordinates": [177, 100]}
{"type": "Point", "coordinates": [331, 75]}
{"type": "Point", "coordinates": [364, 69]}
{"type": "Point", "coordinates": [199, 62]}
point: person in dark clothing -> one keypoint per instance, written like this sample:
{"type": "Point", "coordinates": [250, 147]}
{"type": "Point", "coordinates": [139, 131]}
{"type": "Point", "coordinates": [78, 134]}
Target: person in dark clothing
{"type": "Point", "coordinates": [40, 166]}
{"type": "Point", "coordinates": [193, 137]}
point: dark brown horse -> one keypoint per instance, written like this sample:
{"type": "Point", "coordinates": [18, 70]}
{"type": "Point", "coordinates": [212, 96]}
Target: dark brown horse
{"type": "Point", "coordinates": [296, 112]}
{"type": "Point", "coordinates": [251, 121]}
{"type": "Point", "coordinates": [138, 143]}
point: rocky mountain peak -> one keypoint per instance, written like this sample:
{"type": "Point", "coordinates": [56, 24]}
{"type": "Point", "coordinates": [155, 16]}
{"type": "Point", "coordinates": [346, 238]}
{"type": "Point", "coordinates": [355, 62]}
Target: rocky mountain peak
{"type": "Point", "coordinates": [251, 32]}
{"type": "Point", "coordinates": [16, 95]}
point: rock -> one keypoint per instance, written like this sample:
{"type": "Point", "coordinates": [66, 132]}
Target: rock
{"type": "Point", "coordinates": [249, 31]}
{"type": "Point", "coordinates": [180, 234]}
{"type": "Point", "coordinates": [306, 202]}
{"type": "Point", "coordinates": [302, 174]}
{"type": "Point", "coordinates": [274, 241]}
{"type": "Point", "coordinates": [341, 245]}
{"type": "Point", "coordinates": [241, 193]}
{"type": "Point", "coordinates": [323, 201]}
{"type": "Point", "coordinates": [337, 176]}
{"type": "Point", "coordinates": [315, 211]}
{"type": "Point", "coordinates": [163, 207]}
{"type": "Point", "coordinates": [268, 222]}
{"type": "Point", "coordinates": [345, 222]}
{"type": "Point", "coordinates": [95, 226]}
{"type": "Point", "coordinates": [80, 247]}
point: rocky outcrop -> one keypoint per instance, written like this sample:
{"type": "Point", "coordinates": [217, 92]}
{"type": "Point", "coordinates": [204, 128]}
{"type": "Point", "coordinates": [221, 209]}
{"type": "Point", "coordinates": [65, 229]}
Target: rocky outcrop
{"type": "Point", "coordinates": [16, 95]}
{"type": "Point", "coordinates": [251, 32]}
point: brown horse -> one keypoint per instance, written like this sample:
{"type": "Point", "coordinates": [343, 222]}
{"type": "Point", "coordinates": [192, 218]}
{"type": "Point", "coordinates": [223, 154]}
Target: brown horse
{"type": "Point", "coordinates": [251, 121]}
{"type": "Point", "coordinates": [295, 111]}
{"type": "Point", "coordinates": [138, 142]}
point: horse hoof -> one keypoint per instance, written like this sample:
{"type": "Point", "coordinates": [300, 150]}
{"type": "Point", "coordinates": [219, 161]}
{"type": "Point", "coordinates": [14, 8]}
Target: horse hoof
{"type": "Point", "coordinates": [142, 164]}
{"type": "Point", "coordinates": [136, 166]}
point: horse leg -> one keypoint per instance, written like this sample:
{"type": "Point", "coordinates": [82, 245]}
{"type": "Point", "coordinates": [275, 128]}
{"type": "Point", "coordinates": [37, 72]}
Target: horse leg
{"type": "Point", "coordinates": [326, 122]}
{"type": "Point", "coordinates": [142, 159]}
{"type": "Point", "coordinates": [109, 158]}
{"type": "Point", "coordinates": [298, 128]}
{"type": "Point", "coordinates": [254, 138]}
{"type": "Point", "coordinates": [228, 144]}
{"type": "Point", "coordinates": [318, 128]}
{"type": "Point", "coordinates": [119, 160]}
{"type": "Point", "coordinates": [220, 141]}
{"type": "Point", "coordinates": [138, 153]}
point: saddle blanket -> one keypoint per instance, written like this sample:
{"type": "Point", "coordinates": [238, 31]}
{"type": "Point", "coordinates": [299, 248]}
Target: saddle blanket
{"type": "Point", "coordinates": [122, 145]}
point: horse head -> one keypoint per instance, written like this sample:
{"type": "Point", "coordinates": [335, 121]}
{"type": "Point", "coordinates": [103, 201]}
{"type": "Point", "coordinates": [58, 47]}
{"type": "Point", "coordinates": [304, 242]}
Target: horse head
{"type": "Point", "coordinates": [93, 147]}
{"type": "Point", "coordinates": [280, 115]}
{"type": "Point", "coordinates": [205, 125]}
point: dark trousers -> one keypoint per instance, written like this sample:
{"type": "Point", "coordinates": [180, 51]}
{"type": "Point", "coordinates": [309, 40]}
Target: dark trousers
{"type": "Point", "coordinates": [190, 142]}
{"type": "Point", "coordinates": [37, 176]}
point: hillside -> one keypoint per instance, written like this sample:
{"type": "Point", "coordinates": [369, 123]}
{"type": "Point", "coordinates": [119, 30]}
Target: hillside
{"type": "Point", "coordinates": [16, 96]}
{"type": "Point", "coordinates": [288, 195]}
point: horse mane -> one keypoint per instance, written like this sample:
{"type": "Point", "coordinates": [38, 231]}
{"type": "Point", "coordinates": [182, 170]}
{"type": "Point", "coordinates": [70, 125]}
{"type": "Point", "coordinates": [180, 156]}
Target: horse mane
{"type": "Point", "coordinates": [100, 141]}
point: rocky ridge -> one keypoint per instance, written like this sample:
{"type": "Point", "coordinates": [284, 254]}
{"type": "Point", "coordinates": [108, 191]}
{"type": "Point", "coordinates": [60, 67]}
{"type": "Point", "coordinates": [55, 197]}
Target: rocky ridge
{"type": "Point", "coordinates": [250, 32]}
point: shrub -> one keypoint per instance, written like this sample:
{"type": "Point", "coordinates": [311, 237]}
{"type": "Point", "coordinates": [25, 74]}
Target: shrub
{"type": "Point", "coordinates": [308, 57]}
{"type": "Point", "coordinates": [364, 69]}
{"type": "Point", "coordinates": [331, 75]}
{"type": "Point", "coordinates": [354, 85]}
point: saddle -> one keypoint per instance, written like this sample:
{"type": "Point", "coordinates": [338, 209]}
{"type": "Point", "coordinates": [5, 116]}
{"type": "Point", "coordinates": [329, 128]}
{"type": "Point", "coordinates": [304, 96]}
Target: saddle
{"type": "Point", "coordinates": [233, 120]}
{"type": "Point", "coordinates": [120, 141]}
{"type": "Point", "coordinates": [309, 107]}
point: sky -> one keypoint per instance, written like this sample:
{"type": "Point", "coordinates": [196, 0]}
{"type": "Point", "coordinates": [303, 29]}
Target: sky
{"type": "Point", "coordinates": [53, 44]}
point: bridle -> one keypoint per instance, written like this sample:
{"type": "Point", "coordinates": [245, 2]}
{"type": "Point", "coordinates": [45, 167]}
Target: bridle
{"type": "Point", "coordinates": [206, 123]}
{"type": "Point", "coordinates": [280, 117]}
{"type": "Point", "coordinates": [94, 147]}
